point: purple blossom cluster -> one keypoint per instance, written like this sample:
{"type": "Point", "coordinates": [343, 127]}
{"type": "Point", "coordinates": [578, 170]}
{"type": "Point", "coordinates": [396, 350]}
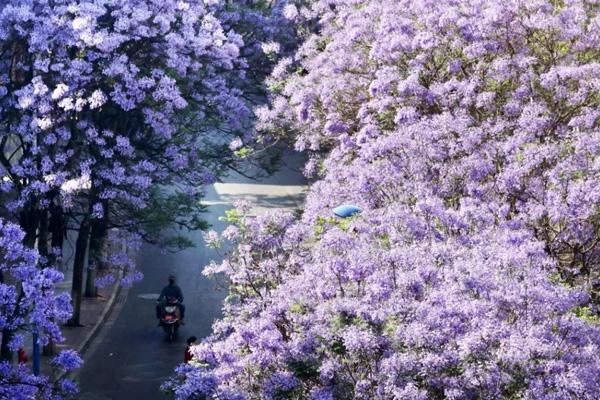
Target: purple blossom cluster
{"type": "Point", "coordinates": [479, 103]}
{"type": "Point", "coordinates": [467, 132]}
{"type": "Point", "coordinates": [30, 304]}
{"type": "Point", "coordinates": [115, 91]}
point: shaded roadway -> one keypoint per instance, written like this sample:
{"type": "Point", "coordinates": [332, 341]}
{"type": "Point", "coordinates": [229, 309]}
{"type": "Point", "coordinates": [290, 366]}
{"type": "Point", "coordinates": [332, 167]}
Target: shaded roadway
{"type": "Point", "coordinates": [131, 358]}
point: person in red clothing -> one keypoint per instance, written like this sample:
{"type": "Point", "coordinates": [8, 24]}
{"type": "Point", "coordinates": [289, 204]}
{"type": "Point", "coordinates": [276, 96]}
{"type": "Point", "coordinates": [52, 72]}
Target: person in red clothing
{"type": "Point", "coordinates": [187, 357]}
{"type": "Point", "coordinates": [22, 356]}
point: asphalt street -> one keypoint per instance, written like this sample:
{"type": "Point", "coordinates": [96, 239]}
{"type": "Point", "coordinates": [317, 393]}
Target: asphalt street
{"type": "Point", "coordinates": [131, 357]}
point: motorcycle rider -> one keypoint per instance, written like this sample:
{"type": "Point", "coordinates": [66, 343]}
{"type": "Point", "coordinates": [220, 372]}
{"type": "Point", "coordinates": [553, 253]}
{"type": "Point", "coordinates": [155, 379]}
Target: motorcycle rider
{"type": "Point", "coordinates": [171, 291]}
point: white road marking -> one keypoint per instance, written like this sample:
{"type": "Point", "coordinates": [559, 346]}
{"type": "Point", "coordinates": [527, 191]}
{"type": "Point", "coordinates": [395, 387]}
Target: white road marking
{"type": "Point", "coordinates": [215, 203]}
{"type": "Point", "coordinates": [149, 296]}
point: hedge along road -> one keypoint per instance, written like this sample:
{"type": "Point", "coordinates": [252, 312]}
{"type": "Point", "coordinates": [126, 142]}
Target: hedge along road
{"type": "Point", "coordinates": [130, 358]}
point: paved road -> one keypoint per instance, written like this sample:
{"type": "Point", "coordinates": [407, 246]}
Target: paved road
{"type": "Point", "coordinates": [130, 358]}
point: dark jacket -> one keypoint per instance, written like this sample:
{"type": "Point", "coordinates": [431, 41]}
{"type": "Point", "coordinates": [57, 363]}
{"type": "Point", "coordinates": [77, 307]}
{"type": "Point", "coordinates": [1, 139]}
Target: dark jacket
{"type": "Point", "coordinates": [171, 291]}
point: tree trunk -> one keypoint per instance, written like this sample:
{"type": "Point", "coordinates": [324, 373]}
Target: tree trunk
{"type": "Point", "coordinates": [50, 348]}
{"type": "Point", "coordinates": [42, 243]}
{"type": "Point", "coordinates": [5, 352]}
{"type": "Point", "coordinates": [97, 236]}
{"type": "Point", "coordinates": [29, 220]}
{"type": "Point", "coordinates": [58, 231]}
{"type": "Point", "coordinates": [19, 75]}
{"type": "Point", "coordinates": [78, 265]}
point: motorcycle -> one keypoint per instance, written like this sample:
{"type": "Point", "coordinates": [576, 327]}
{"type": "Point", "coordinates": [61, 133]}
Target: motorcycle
{"type": "Point", "coordinates": [170, 317]}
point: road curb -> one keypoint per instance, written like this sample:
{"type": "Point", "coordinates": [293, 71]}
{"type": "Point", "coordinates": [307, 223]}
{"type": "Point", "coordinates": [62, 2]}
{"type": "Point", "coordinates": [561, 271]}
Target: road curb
{"type": "Point", "coordinates": [81, 349]}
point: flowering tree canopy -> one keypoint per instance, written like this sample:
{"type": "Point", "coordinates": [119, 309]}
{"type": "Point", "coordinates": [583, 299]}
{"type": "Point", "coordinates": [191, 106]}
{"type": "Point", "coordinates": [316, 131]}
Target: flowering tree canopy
{"type": "Point", "coordinates": [102, 99]}
{"type": "Point", "coordinates": [477, 102]}
{"type": "Point", "coordinates": [115, 92]}
{"type": "Point", "coordinates": [467, 132]}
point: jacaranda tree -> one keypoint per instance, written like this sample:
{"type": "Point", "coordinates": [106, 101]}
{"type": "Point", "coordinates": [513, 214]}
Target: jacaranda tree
{"type": "Point", "coordinates": [117, 95]}
{"type": "Point", "coordinates": [102, 99]}
{"type": "Point", "coordinates": [467, 131]}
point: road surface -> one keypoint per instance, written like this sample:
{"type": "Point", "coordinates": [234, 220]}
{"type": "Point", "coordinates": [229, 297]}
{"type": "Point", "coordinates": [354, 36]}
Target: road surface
{"type": "Point", "coordinates": [131, 358]}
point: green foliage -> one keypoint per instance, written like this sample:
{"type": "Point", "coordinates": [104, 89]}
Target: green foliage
{"type": "Point", "coordinates": [232, 216]}
{"type": "Point", "coordinates": [578, 175]}
{"type": "Point", "coordinates": [586, 314]}
{"type": "Point", "coordinates": [287, 394]}
{"type": "Point", "coordinates": [337, 347]}
{"type": "Point", "coordinates": [386, 119]}
{"type": "Point", "coordinates": [304, 369]}
{"type": "Point", "coordinates": [276, 87]}
{"type": "Point", "coordinates": [244, 152]}
{"type": "Point", "coordinates": [342, 320]}
{"type": "Point", "coordinates": [324, 222]}
{"type": "Point", "coordinates": [384, 241]}
{"type": "Point", "coordinates": [166, 214]}
{"type": "Point", "coordinates": [390, 325]}
{"type": "Point", "coordinates": [298, 308]}
{"type": "Point", "coordinates": [520, 157]}
{"type": "Point", "coordinates": [339, 321]}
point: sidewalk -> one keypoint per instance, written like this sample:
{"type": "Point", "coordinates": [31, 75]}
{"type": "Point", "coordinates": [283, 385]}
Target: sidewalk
{"type": "Point", "coordinates": [94, 312]}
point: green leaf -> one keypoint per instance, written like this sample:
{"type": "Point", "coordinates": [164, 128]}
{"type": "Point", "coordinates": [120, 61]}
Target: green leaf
{"type": "Point", "coordinates": [244, 152]}
{"type": "Point", "coordinates": [586, 314]}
